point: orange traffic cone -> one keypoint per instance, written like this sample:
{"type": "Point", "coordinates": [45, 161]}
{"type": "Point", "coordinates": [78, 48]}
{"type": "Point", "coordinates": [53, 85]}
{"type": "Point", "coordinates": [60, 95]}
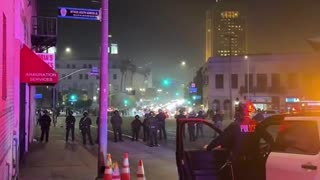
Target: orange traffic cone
{"type": "Point", "coordinates": [116, 172]}
{"type": "Point", "coordinates": [108, 172]}
{"type": "Point", "coordinates": [140, 173]}
{"type": "Point", "coordinates": [125, 173]}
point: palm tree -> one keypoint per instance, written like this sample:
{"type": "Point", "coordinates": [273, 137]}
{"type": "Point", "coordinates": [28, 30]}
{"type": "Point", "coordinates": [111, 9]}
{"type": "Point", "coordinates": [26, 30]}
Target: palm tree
{"type": "Point", "coordinates": [123, 68]}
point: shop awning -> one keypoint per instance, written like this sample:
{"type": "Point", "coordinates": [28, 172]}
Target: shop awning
{"type": "Point", "coordinates": [34, 70]}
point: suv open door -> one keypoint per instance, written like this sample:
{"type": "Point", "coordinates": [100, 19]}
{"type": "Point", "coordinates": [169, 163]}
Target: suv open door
{"type": "Point", "coordinates": [193, 161]}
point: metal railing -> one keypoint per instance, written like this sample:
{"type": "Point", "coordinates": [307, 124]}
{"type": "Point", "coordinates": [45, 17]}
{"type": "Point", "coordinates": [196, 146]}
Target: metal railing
{"type": "Point", "coordinates": [44, 26]}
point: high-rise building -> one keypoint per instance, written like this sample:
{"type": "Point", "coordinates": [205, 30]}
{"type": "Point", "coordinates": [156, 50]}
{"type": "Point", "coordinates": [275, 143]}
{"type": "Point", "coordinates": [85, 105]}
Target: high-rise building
{"type": "Point", "coordinates": [226, 29]}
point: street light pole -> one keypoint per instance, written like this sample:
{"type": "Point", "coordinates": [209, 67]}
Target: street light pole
{"type": "Point", "coordinates": [230, 79]}
{"type": "Point", "coordinates": [104, 91]}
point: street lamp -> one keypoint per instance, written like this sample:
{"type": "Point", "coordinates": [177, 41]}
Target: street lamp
{"type": "Point", "coordinates": [68, 50]}
{"type": "Point", "coordinates": [183, 63]}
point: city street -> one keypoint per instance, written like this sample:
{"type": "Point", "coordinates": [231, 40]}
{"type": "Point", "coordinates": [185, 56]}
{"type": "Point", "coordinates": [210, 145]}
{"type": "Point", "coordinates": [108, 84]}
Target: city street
{"type": "Point", "coordinates": [159, 162]}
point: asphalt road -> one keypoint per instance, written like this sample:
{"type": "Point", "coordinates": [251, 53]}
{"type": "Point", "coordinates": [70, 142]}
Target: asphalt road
{"type": "Point", "coordinates": [159, 161]}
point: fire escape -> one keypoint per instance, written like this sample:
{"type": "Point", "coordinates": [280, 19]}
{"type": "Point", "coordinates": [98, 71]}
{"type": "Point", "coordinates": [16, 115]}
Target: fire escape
{"type": "Point", "coordinates": [44, 33]}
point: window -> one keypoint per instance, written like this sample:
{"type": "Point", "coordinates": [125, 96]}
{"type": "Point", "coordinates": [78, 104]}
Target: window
{"type": "Point", "coordinates": [292, 80]}
{"type": "Point", "coordinates": [68, 66]}
{"type": "Point", "coordinates": [114, 76]}
{"type": "Point", "coordinates": [80, 76]}
{"type": "Point", "coordinates": [219, 81]}
{"type": "Point", "coordinates": [234, 81]}
{"type": "Point", "coordinates": [90, 66]}
{"type": "Point", "coordinates": [4, 58]}
{"type": "Point", "coordinates": [262, 81]}
{"type": "Point", "coordinates": [298, 137]}
{"type": "Point", "coordinates": [86, 76]}
{"type": "Point", "coordinates": [70, 77]}
{"type": "Point", "coordinates": [73, 66]}
{"type": "Point", "coordinates": [275, 80]}
{"type": "Point", "coordinates": [84, 66]}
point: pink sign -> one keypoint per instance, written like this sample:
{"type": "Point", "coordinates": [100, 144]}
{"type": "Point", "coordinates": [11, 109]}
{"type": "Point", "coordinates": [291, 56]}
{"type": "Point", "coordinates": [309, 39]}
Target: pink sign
{"type": "Point", "coordinates": [49, 58]}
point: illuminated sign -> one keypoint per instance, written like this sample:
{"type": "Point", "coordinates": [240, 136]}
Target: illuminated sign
{"type": "Point", "coordinates": [49, 58]}
{"type": "Point", "coordinates": [79, 13]}
{"type": "Point", "coordinates": [292, 100]}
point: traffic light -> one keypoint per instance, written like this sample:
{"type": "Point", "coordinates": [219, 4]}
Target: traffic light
{"type": "Point", "coordinates": [73, 98]}
{"type": "Point", "coordinates": [166, 82]}
{"type": "Point", "coordinates": [177, 93]}
{"type": "Point", "coordinates": [126, 102]}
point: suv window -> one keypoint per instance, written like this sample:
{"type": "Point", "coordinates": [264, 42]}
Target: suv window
{"type": "Point", "coordinates": [298, 137]}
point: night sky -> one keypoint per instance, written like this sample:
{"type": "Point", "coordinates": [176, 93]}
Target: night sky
{"type": "Point", "coordinates": [168, 31]}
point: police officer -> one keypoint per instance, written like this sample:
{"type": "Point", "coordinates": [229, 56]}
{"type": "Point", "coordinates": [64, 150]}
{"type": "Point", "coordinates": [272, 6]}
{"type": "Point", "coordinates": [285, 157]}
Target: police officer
{"type": "Point", "coordinates": [182, 116]}
{"type": "Point", "coordinates": [135, 126]}
{"type": "Point", "coordinates": [199, 125]}
{"type": "Point", "coordinates": [153, 130]}
{"type": "Point", "coordinates": [162, 124]}
{"type": "Point", "coordinates": [84, 126]}
{"type": "Point", "coordinates": [116, 122]}
{"type": "Point", "coordinates": [145, 124]}
{"type": "Point", "coordinates": [70, 122]}
{"type": "Point", "coordinates": [241, 139]}
{"type": "Point", "coordinates": [45, 122]}
{"type": "Point", "coordinates": [191, 126]}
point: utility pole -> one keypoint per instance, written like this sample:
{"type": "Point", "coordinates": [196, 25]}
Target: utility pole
{"type": "Point", "coordinates": [230, 79]}
{"type": "Point", "coordinates": [104, 91]}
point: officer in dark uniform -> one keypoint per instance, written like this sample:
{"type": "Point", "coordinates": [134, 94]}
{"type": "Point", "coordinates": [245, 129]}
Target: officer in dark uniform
{"type": "Point", "coordinates": [241, 139]}
{"type": "Point", "coordinates": [199, 125]}
{"type": "Point", "coordinates": [162, 124]}
{"type": "Point", "coordinates": [84, 126]}
{"type": "Point", "coordinates": [153, 129]}
{"type": "Point", "coordinates": [70, 123]}
{"type": "Point", "coordinates": [192, 127]}
{"type": "Point", "coordinates": [145, 124]}
{"type": "Point", "coordinates": [45, 122]}
{"type": "Point", "coordinates": [116, 121]}
{"type": "Point", "coordinates": [135, 126]}
{"type": "Point", "coordinates": [182, 116]}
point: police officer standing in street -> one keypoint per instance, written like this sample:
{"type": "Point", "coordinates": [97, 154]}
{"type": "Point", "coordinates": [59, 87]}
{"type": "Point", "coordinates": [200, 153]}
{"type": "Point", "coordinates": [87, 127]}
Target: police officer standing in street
{"type": "Point", "coordinates": [182, 116]}
{"type": "Point", "coordinates": [162, 124]}
{"type": "Point", "coordinates": [191, 127]}
{"type": "Point", "coordinates": [153, 130]}
{"type": "Point", "coordinates": [145, 124]}
{"type": "Point", "coordinates": [199, 125]}
{"type": "Point", "coordinates": [135, 126]}
{"type": "Point", "coordinates": [70, 123]}
{"type": "Point", "coordinates": [241, 139]}
{"type": "Point", "coordinates": [116, 122]}
{"type": "Point", "coordinates": [84, 126]}
{"type": "Point", "coordinates": [45, 122]}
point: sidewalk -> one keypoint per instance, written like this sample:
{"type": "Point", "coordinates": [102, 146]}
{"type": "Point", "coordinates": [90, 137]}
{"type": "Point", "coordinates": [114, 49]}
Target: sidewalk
{"type": "Point", "coordinates": [58, 160]}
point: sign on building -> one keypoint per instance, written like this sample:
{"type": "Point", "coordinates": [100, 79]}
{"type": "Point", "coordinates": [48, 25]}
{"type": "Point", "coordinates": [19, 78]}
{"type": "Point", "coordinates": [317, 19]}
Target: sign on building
{"type": "Point", "coordinates": [79, 13]}
{"type": "Point", "coordinates": [49, 58]}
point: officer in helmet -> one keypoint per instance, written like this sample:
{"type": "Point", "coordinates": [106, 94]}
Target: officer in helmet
{"type": "Point", "coordinates": [241, 139]}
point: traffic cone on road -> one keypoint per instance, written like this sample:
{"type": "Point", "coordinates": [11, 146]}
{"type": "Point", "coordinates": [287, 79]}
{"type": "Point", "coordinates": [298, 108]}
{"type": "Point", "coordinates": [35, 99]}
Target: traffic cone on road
{"type": "Point", "coordinates": [125, 173]}
{"type": "Point", "coordinates": [140, 173]}
{"type": "Point", "coordinates": [108, 172]}
{"type": "Point", "coordinates": [116, 172]}
{"type": "Point", "coordinates": [109, 160]}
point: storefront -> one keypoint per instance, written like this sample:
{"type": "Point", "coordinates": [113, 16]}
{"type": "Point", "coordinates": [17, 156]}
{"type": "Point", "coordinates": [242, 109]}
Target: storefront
{"type": "Point", "coordinates": [262, 102]}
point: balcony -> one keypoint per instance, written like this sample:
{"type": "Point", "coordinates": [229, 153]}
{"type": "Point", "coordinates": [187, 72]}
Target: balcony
{"type": "Point", "coordinates": [44, 32]}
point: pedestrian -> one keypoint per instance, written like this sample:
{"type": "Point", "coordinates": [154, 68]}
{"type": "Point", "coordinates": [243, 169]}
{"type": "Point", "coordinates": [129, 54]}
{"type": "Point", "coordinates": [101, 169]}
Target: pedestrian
{"type": "Point", "coordinates": [217, 122]}
{"type": "Point", "coordinates": [45, 122]}
{"type": "Point", "coordinates": [116, 122]}
{"type": "Point", "coordinates": [85, 128]}
{"type": "Point", "coordinates": [70, 123]}
{"type": "Point", "coordinates": [192, 127]}
{"type": "Point", "coordinates": [161, 117]}
{"type": "Point", "coordinates": [145, 124]}
{"type": "Point", "coordinates": [200, 125]}
{"type": "Point", "coordinates": [98, 127]}
{"type": "Point", "coordinates": [135, 126]}
{"type": "Point", "coordinates": [182, 116]}
{"type": "Point", "coordinates": [153, 129]}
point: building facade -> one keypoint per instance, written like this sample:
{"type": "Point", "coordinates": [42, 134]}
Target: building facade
{"type": "Point", "coordinates": [267, 80]}
{"type": "Point", "coordinates": [77, 74]}
{"type": "Point", "coordinates": [226, 29]}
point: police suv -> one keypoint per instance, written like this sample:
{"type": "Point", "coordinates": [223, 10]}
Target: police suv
{"type": "Point", "coordinates": [294, 153]}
